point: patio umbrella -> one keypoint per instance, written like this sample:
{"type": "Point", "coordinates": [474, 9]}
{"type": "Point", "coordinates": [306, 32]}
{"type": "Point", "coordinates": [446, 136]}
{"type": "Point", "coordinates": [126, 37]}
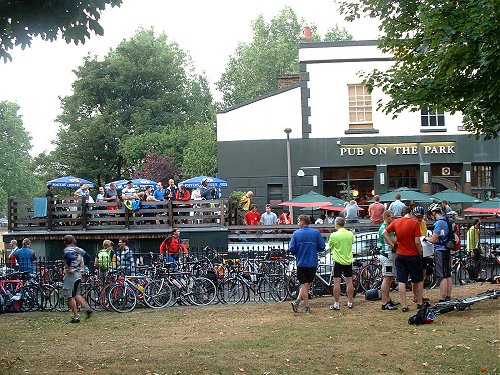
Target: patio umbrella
{"type": "Point", "coordinates": [194, 182]}
{"type": "Point", "coordinates": [454, 196]}
{"type": "Point", "coordinates": [492, 206]}
{"type": "Point", "coordinates": [70, 182]}
{"type": "Point", "coordinates": [406, 195]}
{"type": "Point", "coordinates": [311, 199]}
{"type": "Point", "coordinates": [139, 183]}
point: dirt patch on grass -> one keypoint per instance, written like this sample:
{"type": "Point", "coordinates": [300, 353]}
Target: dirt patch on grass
{"type": "Point", "coordinates": [255, 339]}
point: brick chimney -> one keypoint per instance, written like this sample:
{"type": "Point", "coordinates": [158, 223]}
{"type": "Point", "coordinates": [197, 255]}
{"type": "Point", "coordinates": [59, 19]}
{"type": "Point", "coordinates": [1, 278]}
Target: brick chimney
{"type": "Point", "coordinates": [307, 34]}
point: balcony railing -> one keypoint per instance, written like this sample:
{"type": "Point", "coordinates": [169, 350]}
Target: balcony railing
{"type": "Point", "coordinates": [68, 213]}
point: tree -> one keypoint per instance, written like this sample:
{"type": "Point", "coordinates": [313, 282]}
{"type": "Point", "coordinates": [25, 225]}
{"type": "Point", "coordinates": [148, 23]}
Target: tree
{"type": "Point", "coordinates": [158, 168]}
{"type": "Point", "coordinates": [447, 56]}
{"type": "Point", "coordinates": [336, 33]}
{"type": "Point", "coordinates": [20, 21]}
{"type": "Point", "coordinates": [16, 167]}
{"type": "Point", "coordinates": [132, 102]}
{"type": "Point", "coordinates": [200, 154]}
{"type": "Point", "coordinates": [254, 68]}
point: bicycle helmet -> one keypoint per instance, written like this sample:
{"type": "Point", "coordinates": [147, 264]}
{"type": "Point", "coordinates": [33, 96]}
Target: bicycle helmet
{"type": "Point", "coordinates": [434, 207]}
{"type": "Point", "coordinates": [451, 213]}
{"type": "Point", "coordinates": [418, 211]}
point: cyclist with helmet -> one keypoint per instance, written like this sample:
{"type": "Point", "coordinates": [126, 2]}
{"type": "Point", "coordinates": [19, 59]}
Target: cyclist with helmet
{"type": "Point", "coordinates": [442, 256]}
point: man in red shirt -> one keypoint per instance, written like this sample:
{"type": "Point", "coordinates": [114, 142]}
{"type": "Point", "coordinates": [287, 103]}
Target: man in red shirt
{"type": "Point", "coordinates": [408, 257]}
{"type": "Point", "coordinates": [376, 211]}
{"type": "Point", "coordinates": [172, 246]}
{"type": "Point", "coordinates": [252, 217]}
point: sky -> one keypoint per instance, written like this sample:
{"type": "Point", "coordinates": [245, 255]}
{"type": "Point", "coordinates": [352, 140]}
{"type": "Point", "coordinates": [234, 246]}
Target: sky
{"type": "Point", "coordinates": [208, 30]}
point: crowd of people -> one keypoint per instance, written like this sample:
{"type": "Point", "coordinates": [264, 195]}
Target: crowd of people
{"type": "Point", "coordinates": [402, 235]}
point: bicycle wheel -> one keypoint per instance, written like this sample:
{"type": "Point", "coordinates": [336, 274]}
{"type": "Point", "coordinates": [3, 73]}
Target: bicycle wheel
{"type": "Point", "coordinates": [93, 298]}
{"type": "Point", "coordinates": [33, 298]}
{"type": "Point", "coordinates": [51, 297]}
{"type": "Point", "coordinates": [370, 277]}
{"type": "Point", "coordinates": [122, 298]}
{"type": "Point", "coordinates": [272, 288]}
{"type": "Point", "coordinates": [62, 301]}
{"type": "Point", "coordinates": [233, 291]}
{"type": "Point", "coordinates": [202, 292]}
{"type": "Point", "coordinates": [292, 286]}
{"type": "Point", "coordinates": [157, 294]}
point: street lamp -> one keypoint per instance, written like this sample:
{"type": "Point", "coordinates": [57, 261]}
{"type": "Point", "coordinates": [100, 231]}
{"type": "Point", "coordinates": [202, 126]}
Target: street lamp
{"type": "Point", "coordinates": [289, 165]}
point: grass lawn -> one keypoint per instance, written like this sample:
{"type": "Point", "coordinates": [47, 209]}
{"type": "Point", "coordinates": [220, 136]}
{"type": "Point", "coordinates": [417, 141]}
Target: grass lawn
{"type": "Point", "coordinates": [255, 339]}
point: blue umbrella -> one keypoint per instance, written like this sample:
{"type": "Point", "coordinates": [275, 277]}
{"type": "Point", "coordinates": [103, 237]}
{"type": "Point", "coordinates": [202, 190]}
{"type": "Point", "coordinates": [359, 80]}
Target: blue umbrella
{"type": "Point", "coordinates": [139, 183]}
{"type": "Point", "coordinates": [194, 182]}
{"type": "Point", "coordinates": [69, 182]}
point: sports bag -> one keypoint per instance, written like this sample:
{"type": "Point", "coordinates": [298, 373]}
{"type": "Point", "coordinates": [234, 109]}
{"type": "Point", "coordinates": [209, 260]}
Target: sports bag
{"type": "Point", "coordinates": [103, 260]}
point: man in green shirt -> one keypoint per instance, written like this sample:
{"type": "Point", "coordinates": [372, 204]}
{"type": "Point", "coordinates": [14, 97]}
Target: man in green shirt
{"type": "Point", "coordinates": [341, 246]}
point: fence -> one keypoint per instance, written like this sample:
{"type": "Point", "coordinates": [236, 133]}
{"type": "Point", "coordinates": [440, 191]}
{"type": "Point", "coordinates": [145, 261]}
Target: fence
{"type": "Point", "coordinates": [70, 214]}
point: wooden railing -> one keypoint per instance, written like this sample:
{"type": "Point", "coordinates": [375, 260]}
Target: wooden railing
{"type": "Point", "coordinates": [68, 213]}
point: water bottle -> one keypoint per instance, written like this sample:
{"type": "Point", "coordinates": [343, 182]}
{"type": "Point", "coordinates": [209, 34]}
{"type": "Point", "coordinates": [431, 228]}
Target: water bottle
{"type": "Point", "coordinates": [140, 288]}
{"type": "Point", "coordinates": [176, 283]}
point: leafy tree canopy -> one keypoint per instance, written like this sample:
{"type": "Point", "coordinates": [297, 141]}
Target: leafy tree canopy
{"type": "Point", "coordinates": [16, 167]}
{"type": "Point", "coordinates": [21, 21]}
{"type": "Point", "coordinates": [135, 101]}
{"type": "Point", "coordinates": [254, 68]}
{"type": "Point", "coordinates": [447, 56]}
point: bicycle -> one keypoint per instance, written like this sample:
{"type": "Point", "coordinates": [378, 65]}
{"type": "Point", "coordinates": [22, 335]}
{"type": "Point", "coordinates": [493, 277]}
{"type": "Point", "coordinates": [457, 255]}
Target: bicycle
{"type": "Point", "coordinates": [323, 282]}
{"type": "Point", "coordinates": [249, 277]}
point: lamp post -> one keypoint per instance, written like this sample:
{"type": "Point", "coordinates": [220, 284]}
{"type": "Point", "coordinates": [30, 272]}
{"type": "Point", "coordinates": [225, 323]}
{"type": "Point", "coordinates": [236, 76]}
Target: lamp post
{"type": "Point", "coordinates": [289, 166]}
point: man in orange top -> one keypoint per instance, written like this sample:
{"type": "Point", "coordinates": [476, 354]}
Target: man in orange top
{"type": "Point", "coordinates": [376, 211]}
{"type": "Point", "coordinates": [172, 246]}
{"type": "Point", "coordinates": [408, 259]}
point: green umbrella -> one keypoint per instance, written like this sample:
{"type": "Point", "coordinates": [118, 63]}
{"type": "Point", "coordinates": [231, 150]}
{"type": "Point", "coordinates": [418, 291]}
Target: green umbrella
{"type": "Point", "coordinates": [311, 199]}
{"type": "Point", "coordinates": [492, 206]}
{"type": "Point", "coordinates": [406, 195]}
{"type": "Point", "coordinates": [454, 196]}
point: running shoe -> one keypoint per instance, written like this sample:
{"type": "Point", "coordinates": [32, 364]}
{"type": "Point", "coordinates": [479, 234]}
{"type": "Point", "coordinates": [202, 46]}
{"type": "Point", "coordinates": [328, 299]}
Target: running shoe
{"type": "Point", "coordinates": [295, 306]}
{"type": "Point", "coordinates": [389, 306]}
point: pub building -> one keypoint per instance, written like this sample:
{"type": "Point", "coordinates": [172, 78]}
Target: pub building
{"type": "Point", "coordinates": [339, 142]}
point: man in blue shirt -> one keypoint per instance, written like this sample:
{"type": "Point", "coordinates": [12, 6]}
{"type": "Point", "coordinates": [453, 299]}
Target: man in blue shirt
{"type": "Point", "coordinates": [397, 206]}
{"type": "Point", "coordinates": [305, 244]}
{"type": "Point", "coordinates": [159, 193]}
{"type": "Point", "coordinates": [26, 257]}
{"type": "Point", "coordinates": [442, 255]}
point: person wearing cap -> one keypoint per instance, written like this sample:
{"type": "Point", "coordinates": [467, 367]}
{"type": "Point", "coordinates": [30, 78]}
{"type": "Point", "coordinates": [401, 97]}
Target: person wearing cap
{"type": "Point", "coordinates": [442, 256]}
{"type": "Point", "coordinates": [205, 191]}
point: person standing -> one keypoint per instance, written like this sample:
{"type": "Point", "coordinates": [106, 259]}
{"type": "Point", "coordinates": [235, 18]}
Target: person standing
{"type": "Point", "coordinates": [124, 257]}
{"type": "Point", "coordinates": [171, 190]}
{"type": "Point", "coordinates": [73, 268]}
{"type": "Point", "coordinates": [50, 191]}
{"type": "Point", "coordinates": [408, 259]}
{"type": "Point", "coordinates": [25, 257]}
{"type": "Point", "coordinates": [159, 192]}
{"type": "Point", "coordinates": [397, 206]}
{"type": "Point", "coordinates": [387, 260]}
{"type": "Point", "coordinates": [111, 196]}
{"type": "Point", "coordinates": [252, 217]}
{"type": "Point", "coordinates": [172, 246]}
{"type": "Point", "coordinates": [129, 193]}
{"type": "Point", "coordinates": [473, 239]}
{"type": "Point", "coordinates": [442, 255]}
{"type": "Point", "coordinates": [341, 246]}
{"type": "Point", "coordinates": [245, 202]}
{"type": "Point", "coordinates": [376, 210]}
{"type": "Point", "coordinates": [305, 244]}
{"type": "Point", "coordinates": [285, 218]}
{"type": "Point", "coordinates": [205, 191]}
{"type": "Point", "coordinates": [12, 257]}
{"type": "Point", "coordinates": [268, 217]}
{"type": "Point", "coordinates": [352, 212]}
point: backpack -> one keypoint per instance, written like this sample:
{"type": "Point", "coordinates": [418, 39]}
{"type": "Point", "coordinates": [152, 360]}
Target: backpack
{"type": "Point", "coordinates": [69, 257]}
{"type": "Point", "coordinates": [423, 316]}
{"type": "Point", "coordinates": [451, 238]}
{"type": "Point", "coordinates": [103, 260]}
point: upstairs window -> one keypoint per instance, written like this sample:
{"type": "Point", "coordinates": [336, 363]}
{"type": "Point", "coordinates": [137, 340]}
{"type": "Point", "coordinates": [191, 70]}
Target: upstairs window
{"type": "Point", "coordinates": [431, 118]}
{"type": "Point", "coordinates": [360, 107]}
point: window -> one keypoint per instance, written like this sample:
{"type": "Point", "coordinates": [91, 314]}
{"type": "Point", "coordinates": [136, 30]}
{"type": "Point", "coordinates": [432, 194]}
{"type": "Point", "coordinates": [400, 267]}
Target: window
{"type": "Point", "coordinates": [482, 176]}
{"type": "Point", "coordinates": [402, 176]}
{"type": "Point", "coordinates": [360, 107]}
{"type": "Point", "coordinates": [347, 183]}
{"type": "Point", "coordinates": [431, 118]}
{"type": "Point", "coordinates": [446, 176]}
